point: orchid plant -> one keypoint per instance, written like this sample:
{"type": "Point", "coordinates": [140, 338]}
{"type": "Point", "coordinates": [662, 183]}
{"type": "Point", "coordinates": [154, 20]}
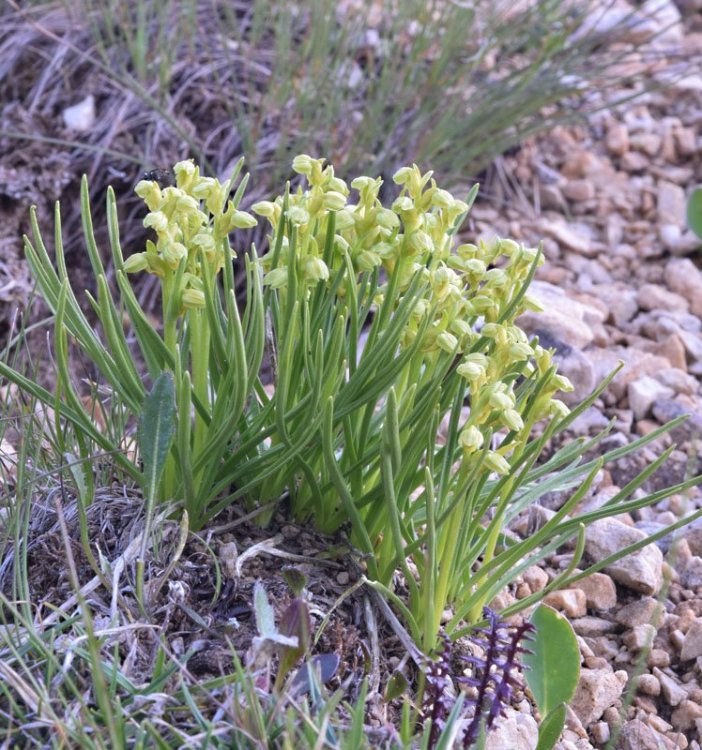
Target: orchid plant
{"type": "Point", "coordinates": [402, 401]}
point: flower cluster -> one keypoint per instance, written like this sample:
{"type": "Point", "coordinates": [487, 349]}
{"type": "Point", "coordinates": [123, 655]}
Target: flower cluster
{"type": "Point", "coordinates": [192, 221]}
{"type": "Point", "coordinates": [470, 297]}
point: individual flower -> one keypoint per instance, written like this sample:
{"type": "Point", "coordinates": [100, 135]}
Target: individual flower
{"type": "Point", "coordinates": [471, 439]}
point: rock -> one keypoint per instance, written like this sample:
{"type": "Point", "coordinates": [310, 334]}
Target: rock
{"type": "Point", "coordinates": [644, 393]}
{"type": "Point", "coordinates": [671, 348]}
{"type": "Point", "coordinates": [563, 318]}
{"type": "Point", "coordinates": [572, 602]}
{"type": "Point", "coordinates": [639, 637]}
{"type": "Point", "coordinates": [655, 297]}
{"type": "Point", "coordinates": [665, 20]}
{"type": "Point", "coordinates": [579, 190]}
{"type": "Point", "coordinates": [641, 571]}
{"type": "Point", "coordinates": [668, 409]}
{"type": "Point", "coordinates": [658, 657]}
{"type": "Point", "coordinates": [597, 690]}
{"type": "Point", "coordinates": [600, 732]}
{"type": "Point", "coordinates": [634, 161]}
{"type": "Point", "coordinates": [536, 578]}
{"type": "Point", "coordinates": [693, 534]}
{"type": "Point", "coordinates": [568, 236]}
{"type": "Point", "coordinates": [80, 117]}
{"type": "Point", "coordinates": [671, 690]}
{"type": "Point", "coordinates": [637, 735]}
{"type": "Point", "coordinates": [692, 575]}
{"type": "Point", "coordinates": [672, 203]}
{"type": "Point", "coordinates": [648, 685]}
{"type": "Point", "coordinates": [685, 715]}
{"type": "Point", "coordinates": [593, 627]}
{"type": "Point", "coordinates": [617, 139]}
{"type": "Point", "coordinates": [514, 730]}
{"type": "Point", "coordinates": [679, 381]}
{"type": "Point", "coordinates": [590, 421]}
{"type": "Point", "coordinates": [684, 278]}
{"type": "Point", "coordinates": [600, 591]}
{"type": "Point", "coordinates": [692, 645]}
{"type": "Point", "coordinates": [637, 363]}
{"type": "Point", "coordinates": [621, 301]}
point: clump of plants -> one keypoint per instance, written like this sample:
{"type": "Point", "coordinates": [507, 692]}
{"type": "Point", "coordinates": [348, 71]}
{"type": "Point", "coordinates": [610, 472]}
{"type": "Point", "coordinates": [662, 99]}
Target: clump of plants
{"type": "Point", "coordinates": [404, 396]}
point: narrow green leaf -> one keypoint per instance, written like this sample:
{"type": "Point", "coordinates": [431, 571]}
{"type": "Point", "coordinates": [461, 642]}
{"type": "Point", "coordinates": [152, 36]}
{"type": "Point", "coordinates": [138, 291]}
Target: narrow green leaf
{"type": "Point", "coordinates": [554, 661]}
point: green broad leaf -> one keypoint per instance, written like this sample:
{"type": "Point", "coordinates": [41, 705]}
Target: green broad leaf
{"type": "Point", "coordinates": [397, 685]}
{"type": "Point", "coordinates": [551, 727]}
{"type": "Point", "coordinates": [156, 428]}
{"type": "Point", "coordinates": [553, 666]}
{"type": "Point", "coordinates": [694, 211]}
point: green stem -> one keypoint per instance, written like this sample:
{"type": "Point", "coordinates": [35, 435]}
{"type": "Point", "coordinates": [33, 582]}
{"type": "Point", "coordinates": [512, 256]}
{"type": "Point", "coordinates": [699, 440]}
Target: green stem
{"type": "Point", "coordinates": [200, 350]}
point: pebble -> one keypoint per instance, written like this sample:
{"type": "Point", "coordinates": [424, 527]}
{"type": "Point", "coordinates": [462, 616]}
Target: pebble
{"type": "Point", "coordinates": [639, 637]}
{"type": "Point", "coordinates": [643, 610]}
{"type": "Point", "coordinates": [671, 690]}
{"type": "Point", "coordinates": [648, 684]}
{"type": "Point", "coordinates": [644, 393]}
{"type": "Point", "coordinates": [672, 203]}
{"type": "Point", "coordinates": [640, 571]}
{"type": "Point", "coordinates": [600, 591]}
{"type": "Point", "coordinates": [598, 689]}
{"type": "Point", "coordinates": [514, 730]}
{"type": "Point", "coordinates": [684, 278]}
{"type": "Point", "coordinates": [685, 715]}
{"type": "Point", "coordinates": [692, 575]}
{"type": "Point", "coordinates": [571, 602]}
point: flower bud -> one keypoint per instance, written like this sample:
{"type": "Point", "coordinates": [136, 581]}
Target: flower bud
{"type": "Point", "coordinates": [173, 253]}
{"type": "Point", "coordinates": [447, 341]}
{"type": "Point", "coordinates": [276, 278]}
{"type": "Point", "coordinates": [556, 408]}
{"type": "Point", "coordinates": [500, 400]}
{"type": "Point", "coordinates": [519, 352]}
{"type": "Point", "coordinates": [344, 220]}
{"type": "Point", "coordinates": [303, 164]}
{"type": "Point", "coordinates": [368, 260]}
{"type": "Point", "coordinates": [157, 220]}
{"type": "Point", "coordinates": [297, 215]}
{"type": "Point", "coordinates": [193, 299]}
{"type": "Point", "coordinates": [509, 247]}
{"type": "Point", "coordinates": [471, 439]}
{"type": "Point", "coordinates": [334, 201]}
{"type": "Point", "coordinates": [387, 219]}
{"type": "Point", "coordinates": [403, 203]}
{"type": "Point", "coordinates": [337, 185]}
{"type": "Point", "coordinates": [512, 419]}
{"type": "Point", "coordinates": [265, 208]}
{"type": "Point", "coordinates": [470, 370]}
{"type": "Point", "coordinates": [467, 251]}
{"type": "Point", "coordinates": [315, 269]}
{"type": "Point", "coordinates": [150, 192]}
{"type": "Point", "coordinates": [496, 277]}
{"type": "Point", "coordinates": [562, 383]}
{"type": "Point", "coordinates": [420, 242]}
{"type": "Point", "coordinates": [136, 262]}
{"type": "Point", "coordinates": [442, 198]}
{"type": "Point", "coordinates": [497, 463]}
{"type": "Point", "coordinates": [533, 304]}
{"type": "Point", "coordinates": [243, 220]}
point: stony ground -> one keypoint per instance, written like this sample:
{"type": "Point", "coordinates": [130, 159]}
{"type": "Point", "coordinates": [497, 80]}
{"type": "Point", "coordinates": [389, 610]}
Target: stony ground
{"type": "Point", "coordinates": [623, 282]}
